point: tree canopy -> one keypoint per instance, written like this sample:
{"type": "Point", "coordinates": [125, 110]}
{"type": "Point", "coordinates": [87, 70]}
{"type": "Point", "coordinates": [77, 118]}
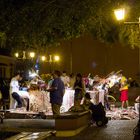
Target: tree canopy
{"type": "Point", "coordinates": [39, 23]}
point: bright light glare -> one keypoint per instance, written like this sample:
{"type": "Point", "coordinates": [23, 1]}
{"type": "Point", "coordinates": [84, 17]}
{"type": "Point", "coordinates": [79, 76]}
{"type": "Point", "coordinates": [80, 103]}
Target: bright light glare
{"type": "Point", "coordinates": [32, 54]}
{"type": "Point", "coordinates": [32, 74]}
{"type": "Point", "coordinates": [120, 14]}
{"type": "Point", "coordinates": [43, 58]}
{"type": "Point", "coordinates": [56, 58]}
{"type": "Point", "coordinates": [16, 54]}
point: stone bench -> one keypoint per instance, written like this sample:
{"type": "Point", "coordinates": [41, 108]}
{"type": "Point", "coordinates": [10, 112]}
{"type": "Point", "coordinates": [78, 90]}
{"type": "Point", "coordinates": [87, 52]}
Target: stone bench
{"type": "Point", "coordinates": [71, 123]}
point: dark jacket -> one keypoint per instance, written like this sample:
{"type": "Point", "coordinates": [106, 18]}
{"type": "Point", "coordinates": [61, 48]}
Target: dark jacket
{"type": "Point", "coordinates": [56, 95]}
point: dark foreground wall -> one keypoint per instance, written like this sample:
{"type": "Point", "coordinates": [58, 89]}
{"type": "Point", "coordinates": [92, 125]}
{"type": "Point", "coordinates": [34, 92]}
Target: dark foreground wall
{"type": "Point", "coordinates": [89, 55]}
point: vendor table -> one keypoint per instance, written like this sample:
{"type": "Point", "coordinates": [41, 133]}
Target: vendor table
{"type": "Point", "coordinates": [39, 100]}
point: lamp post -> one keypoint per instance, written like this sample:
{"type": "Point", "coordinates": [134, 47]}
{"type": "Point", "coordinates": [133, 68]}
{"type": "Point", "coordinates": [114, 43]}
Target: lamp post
{"type": "Point", "coordinates": [23, 55]}
{"type": "Point", "coordinates": [120, 15]}
{"type": "Point", "coordinates": [52, 59]}
{"type": "Point", "coordinates": [56, 58]}
{"type": "Point", "coordinates": [24, 61]}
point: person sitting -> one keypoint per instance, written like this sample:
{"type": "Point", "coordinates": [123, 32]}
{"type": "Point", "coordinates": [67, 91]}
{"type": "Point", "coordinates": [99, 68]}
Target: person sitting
{"type": "Point", "coordinates": [87, 101]}
{"type": "Point", "coordinates": [17, 96]}
{"type": "Point", "coordinates": [24, 94]}
{"type": "Point", "coordinates": [97, 111]}
{"type": "Point", "coordinates": [14, 89]}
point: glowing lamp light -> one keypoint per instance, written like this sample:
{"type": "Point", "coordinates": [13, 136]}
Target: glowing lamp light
{"type": "Point", "coordinates": [43, 58]}
{"type": "Point", "coordinates": [56, 58]}
{"type": "Point", "coordinates": [17, 55]}
{"type": "Point", "coordinates": [119, 14]}
{"type": "Point", "coordinates": [32, 54]}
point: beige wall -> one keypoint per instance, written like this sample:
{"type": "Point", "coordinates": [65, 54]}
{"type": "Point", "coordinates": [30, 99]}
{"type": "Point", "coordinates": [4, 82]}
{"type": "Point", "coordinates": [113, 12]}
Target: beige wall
{"type": "Point", "coordinates": [90, 55]}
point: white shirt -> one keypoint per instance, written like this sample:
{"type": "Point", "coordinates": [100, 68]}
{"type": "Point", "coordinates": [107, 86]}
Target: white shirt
{"type": "Point", "coordinates": [14, 86]}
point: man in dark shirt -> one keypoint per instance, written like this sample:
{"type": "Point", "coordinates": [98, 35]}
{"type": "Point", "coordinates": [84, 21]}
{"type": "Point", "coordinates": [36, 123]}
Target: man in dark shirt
{"type": "Point", "coordinates": [56, 90]}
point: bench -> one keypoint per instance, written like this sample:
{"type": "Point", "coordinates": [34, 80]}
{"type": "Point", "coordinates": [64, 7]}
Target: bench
{"type": "Point", "coordinates": [71, 123]}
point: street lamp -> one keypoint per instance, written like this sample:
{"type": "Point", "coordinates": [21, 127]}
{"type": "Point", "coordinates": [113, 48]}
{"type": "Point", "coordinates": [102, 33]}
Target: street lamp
{"type": "Point", "coordinates": [24, 61]}
{"type": "Point", "coordinates": [56, 58]}
{"type": "Point", "coordinates": [51, 60]}
{"type": "Point", "coordinates": [16, 54]}
{"type": "Point", "coordinates": [120, 15]}
{"type": "Point", "coordinates": [23, 55]}
{"type": "Point", "coordinates": [32, 54]}
{"type": "Point", "coordinates": [43, 58]}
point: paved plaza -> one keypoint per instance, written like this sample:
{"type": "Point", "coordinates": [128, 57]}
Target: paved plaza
{"type": "Point", "coordinates": [115, 130]}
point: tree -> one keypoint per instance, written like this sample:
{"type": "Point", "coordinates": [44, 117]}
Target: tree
{"type": "Point", "coordinates": [130, 33]}
{"type": "Point", "coordinates": [39, 23]}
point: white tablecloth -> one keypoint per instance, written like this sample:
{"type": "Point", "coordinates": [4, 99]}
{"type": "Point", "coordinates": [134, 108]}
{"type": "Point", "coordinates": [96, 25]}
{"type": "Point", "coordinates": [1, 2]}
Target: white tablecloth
{"type": "Point", "coordinates": [40, 100]}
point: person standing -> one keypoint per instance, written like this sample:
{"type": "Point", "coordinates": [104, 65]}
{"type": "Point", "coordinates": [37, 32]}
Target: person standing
{"type": "Point", "coordinates": [79, 88]}
{"type": "Point", "coordinates": [14, 89]}
{"type": "Point", "coordinates": [56, 90]}
{"type": "Point", "coordinates": [72, 80]}
{"type": "Point", "coordinates": [65, 79]}
{"type": "Point", "coordinates": [124, 91]}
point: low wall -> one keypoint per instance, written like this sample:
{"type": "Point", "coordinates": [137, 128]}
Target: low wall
{"type": "Point", "coordinates": [70, 124]}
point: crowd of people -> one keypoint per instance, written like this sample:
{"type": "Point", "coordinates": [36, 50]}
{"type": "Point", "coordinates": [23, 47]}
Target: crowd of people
{"type": "Point", "coordinates": [82, 86]}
